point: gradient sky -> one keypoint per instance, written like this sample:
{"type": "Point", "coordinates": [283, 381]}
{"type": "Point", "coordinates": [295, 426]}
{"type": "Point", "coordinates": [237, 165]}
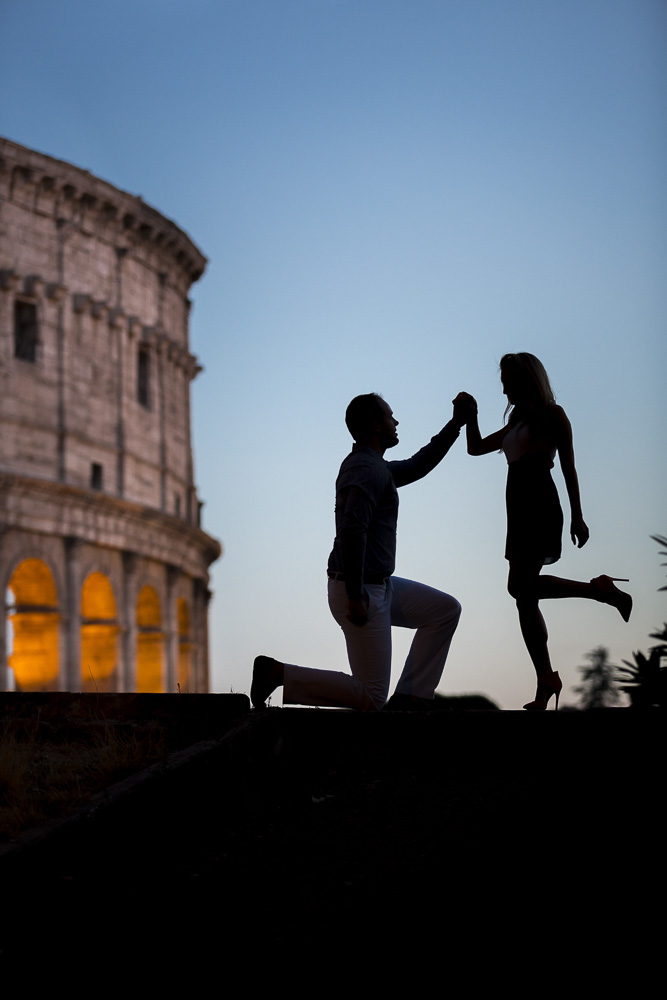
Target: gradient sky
{"type": "Point", "coordinates": [391, 194]}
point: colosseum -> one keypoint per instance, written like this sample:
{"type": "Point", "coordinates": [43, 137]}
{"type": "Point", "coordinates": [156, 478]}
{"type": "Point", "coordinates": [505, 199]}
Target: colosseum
{"type": "Point", "coordinates": [102, 558]}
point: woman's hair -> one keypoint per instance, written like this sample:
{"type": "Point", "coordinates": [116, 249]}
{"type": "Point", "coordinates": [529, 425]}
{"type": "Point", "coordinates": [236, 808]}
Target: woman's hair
{"type": "Point", "coordinates": [530, 382]}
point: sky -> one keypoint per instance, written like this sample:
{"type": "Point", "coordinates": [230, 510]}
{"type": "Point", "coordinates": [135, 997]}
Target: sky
{"type": "Point", "coordinates": [392, 194]}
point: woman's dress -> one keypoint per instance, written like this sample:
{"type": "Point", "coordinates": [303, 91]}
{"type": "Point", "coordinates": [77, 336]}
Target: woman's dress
{"type": "Point", "coordinates": [534, 514]}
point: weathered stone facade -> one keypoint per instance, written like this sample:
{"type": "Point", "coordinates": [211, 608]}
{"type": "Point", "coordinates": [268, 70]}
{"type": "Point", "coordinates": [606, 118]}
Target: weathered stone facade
{"type": "Point", "coordinates": [100, 545]}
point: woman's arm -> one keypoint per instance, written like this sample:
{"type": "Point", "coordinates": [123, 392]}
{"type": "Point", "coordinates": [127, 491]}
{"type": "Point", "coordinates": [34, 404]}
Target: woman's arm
{"type": "Point", "coordinates": [579, 532]}
{"type": "Point", "coordinates": [477, 445]}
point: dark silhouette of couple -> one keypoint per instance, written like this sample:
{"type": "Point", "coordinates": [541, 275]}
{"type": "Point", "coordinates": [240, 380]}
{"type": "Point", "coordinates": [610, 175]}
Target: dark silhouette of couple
{"type": "Point", "coordinates": [366, 599]}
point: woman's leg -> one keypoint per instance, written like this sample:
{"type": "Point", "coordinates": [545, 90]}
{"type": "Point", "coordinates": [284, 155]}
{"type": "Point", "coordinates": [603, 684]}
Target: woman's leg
{"type": "Point", "coordinates": [600, 588]}
{"type": "Point", "coordinates": [524, 585]}
{"type": "Point", "coordinates": [557, 586]}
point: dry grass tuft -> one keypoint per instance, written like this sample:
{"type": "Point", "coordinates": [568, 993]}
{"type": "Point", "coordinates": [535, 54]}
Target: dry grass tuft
{"type": "Point", "coordinates": [44, 773]}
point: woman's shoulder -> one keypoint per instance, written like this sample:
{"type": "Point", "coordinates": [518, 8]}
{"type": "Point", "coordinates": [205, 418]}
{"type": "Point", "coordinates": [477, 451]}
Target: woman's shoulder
{"type": "Point", "coordinates": [557, 414]}
{"type": "Point", "coordinates": [559, 427]}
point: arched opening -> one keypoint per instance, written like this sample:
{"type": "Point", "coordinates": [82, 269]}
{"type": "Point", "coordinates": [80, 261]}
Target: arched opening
{"type": "Point", "coordinates": [150, 642]}
{"type": "Point", "coordinates": [32, 611]}
{"type": "Point", "coordinates": [184, 644]}
{"type": "Point", "coordinates": [99, 634]}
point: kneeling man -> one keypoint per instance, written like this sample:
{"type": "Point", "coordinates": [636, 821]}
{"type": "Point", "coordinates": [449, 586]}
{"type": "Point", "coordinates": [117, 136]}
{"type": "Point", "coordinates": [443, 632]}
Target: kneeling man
{"type": "Point", "coordinates": [364, 597]}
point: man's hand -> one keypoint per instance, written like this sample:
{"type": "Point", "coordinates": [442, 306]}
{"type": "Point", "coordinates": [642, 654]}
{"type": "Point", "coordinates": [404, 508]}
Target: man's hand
{"type": "Point", "coordinates": [465, 407]}
{"type": "Point", "coordinates": [357, 611]}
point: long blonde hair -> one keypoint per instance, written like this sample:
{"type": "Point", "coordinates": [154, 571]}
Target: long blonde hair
{"type": "Point", "coordinates": [529, 374]}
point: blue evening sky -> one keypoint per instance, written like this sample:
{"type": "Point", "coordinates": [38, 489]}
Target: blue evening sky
{"type": "Point", "coordinates": [391, 194]}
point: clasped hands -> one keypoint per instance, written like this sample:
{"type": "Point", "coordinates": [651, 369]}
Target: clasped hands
{"type": "Point", "coordinates": [465, 407]}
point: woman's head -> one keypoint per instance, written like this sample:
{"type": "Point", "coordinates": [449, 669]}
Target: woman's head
{"type": "Point", "coordinates": [525, 381]}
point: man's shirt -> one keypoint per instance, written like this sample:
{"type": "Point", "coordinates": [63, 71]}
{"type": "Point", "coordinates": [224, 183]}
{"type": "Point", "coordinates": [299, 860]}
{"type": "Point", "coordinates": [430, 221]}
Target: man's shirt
{"type": "Point", "coordinates": [367, 508]}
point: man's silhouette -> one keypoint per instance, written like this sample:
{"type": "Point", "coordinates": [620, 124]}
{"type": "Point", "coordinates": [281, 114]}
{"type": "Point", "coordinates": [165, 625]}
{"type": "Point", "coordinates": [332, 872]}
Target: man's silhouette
{"type": "Point", "coordinates": [364, 597]}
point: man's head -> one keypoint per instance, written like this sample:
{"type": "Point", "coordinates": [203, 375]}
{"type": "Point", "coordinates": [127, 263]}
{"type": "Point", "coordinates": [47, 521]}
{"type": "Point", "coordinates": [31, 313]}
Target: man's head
{"type": "Point", "coordinates": [370, 419]}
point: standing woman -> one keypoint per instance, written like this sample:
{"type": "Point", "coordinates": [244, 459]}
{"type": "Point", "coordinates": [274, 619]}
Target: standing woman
{"type": "Point", "coordinates": [537, 429]}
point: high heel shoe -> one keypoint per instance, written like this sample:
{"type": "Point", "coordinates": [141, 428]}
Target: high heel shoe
{"type": "Point", "coordinates": [545, 689]}
{"type": "Point", "coordinates": [609, 594]}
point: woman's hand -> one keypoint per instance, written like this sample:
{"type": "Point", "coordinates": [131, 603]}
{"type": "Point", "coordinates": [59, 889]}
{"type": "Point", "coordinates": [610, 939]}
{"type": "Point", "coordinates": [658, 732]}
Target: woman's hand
{"type": "Point", "coordinates": [579, 532]}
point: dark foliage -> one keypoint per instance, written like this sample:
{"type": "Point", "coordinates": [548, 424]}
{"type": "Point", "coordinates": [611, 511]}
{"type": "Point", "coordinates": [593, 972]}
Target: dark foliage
{"type": "Point", "coordinates": [645, 680]}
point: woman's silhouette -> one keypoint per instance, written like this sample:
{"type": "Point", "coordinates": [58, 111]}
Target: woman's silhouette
{"type": "Point", "coordinates": [538, 428]}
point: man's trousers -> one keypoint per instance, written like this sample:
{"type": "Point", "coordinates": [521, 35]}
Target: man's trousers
{"type": "Point", "coordinates": [432, 613]}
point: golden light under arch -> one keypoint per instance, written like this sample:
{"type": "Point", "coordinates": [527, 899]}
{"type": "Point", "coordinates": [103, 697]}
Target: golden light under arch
{"type": "Point", "coordinates": [35, 626]}
{"type": "Point", "coordinates": [150, 642]}
{"type": "Point", "coordinates": [99, 634]}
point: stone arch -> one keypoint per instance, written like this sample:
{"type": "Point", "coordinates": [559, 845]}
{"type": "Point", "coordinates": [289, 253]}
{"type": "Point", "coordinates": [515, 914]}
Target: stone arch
{"type": "Point", "coordinates": [99, 634]}
{"type": "Point", "coordinates": [19, 546]}
{"type": "Point", "coordinates": [34, 621]}
{"type": "Point", "coordinates": [105, 561]}
{"type": "Point", "coordinates": [150, 641]}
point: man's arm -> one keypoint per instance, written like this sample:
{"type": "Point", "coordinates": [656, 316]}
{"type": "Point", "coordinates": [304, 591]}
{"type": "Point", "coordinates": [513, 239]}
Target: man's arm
{"type": "Point", "coordinates": [426, 459]}
{"type": "Point", "coordinates": [359, 489]}
{"type": "Point", "coordinates": [355, 517]}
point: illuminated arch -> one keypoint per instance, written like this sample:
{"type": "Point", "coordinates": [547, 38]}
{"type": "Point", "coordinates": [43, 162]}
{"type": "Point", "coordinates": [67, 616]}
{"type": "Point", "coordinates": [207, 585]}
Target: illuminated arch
{"type": "Point", "coordinates": [99, 634]}
{"type": "Point", "coordinates": [35, 622]}
{"type": "Point", "coordinates": [184, 644]}
{"type": "Point", "coordinates": [150, 642]}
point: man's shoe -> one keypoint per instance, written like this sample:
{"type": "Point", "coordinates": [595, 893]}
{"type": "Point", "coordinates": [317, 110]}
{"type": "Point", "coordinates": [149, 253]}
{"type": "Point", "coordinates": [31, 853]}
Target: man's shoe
{"type": "Point", "coordinates": [267, 675]}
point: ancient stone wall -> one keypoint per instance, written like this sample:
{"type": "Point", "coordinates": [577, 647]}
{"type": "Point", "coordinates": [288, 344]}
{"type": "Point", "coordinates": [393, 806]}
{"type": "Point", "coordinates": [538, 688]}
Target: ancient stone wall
{"type": "Point", "coordinates": [95, 454]}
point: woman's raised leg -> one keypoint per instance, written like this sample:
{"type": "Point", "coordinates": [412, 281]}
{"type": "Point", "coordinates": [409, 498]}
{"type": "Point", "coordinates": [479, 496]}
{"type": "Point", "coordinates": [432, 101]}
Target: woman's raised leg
{"type": "Point", "coordinates": [600, 588]}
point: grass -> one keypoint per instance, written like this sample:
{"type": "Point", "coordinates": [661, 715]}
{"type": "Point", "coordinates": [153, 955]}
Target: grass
{"type": "Point", "coordinates": [45, 771]}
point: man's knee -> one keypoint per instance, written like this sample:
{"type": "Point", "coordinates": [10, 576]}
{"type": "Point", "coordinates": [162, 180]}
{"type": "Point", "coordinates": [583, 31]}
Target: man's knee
{"type": "Point", "coordinates": [451, 609]}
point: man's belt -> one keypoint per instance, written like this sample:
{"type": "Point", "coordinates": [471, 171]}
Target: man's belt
{"type": "Point", "coordinates": [372, 578]}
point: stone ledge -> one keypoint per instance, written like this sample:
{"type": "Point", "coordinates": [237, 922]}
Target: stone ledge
{"type": "Point", "coordinates": [32, 504]}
